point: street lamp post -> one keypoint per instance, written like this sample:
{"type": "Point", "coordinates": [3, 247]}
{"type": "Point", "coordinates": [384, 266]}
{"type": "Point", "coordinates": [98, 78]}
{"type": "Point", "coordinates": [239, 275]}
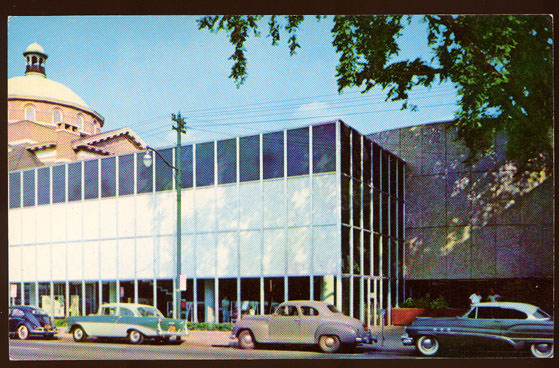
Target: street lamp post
{"type": "Point", "coordinates": [180, 128]}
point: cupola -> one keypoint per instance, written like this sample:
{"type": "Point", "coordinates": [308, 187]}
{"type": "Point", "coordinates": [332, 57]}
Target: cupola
{"type": "Point", "coordinates": [35, 59]}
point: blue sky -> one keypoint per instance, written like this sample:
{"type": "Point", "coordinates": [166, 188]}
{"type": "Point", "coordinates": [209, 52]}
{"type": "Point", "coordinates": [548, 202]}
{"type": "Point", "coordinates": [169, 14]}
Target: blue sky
{"type": "Point", "coordinates": [137, 70]}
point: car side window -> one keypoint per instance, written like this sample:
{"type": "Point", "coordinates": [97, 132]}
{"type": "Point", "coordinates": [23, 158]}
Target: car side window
{"type": "Point", "coordinates": [125, 312]}
{"type": "Point", "coordinates": [108, 311]}
{"type": "Point", "coordinates": [287, 310]}
{"type": "Point", "coordinates": [486, 312]}
{"type": "Point", "coordinates": [17, 313]}
{"type": "Point", "coordinates": [507, 313]}
{"type": "Point", "coordinates": [309, 311]}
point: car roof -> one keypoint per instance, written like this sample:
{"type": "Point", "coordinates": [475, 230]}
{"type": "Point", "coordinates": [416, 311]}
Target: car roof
{"type": "Point", "coordinates": [524, 307]}
{"type": "Point", "coordinates": [133, 305]}
{"type": "Point", "coordinates": [310, 303]}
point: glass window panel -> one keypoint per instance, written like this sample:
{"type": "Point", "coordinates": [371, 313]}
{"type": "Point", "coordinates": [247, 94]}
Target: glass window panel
{"type": "Point", "coordinates": [400, 179]}
{"type": "Point", "coordinates": [126, 174]}
{"type": "Point", "coordinates": [356, 251]}
{"type": "Point", "coordinates": [272, 155]}
{"type": "Point", "coordinates": [376, 165]}
{"type": "Point", "coordinates": [366, 161]}
{"type": "Point", "coordinates": [227, 161]}
{"type": "Point", "coordinates": [345, 142]}
{"type": "Point", "coordinates": [15, 189]}
{"type": "Point", "coordinates": [205, 164]}
{"type": "Point", "coordinates": [144, 175]}
{"type": "Point", "coordinates": [393, 175]}
{"type": "Point", "coordinates": [163, 173]}
{"type": "Point", "coordinates": [356, 156]}
{"type": "Point", "coordinates": [324, 148]}
{"type": "Point", "coordinates": [366, 207]}
{"type": "Point", "coordinates": [298, 152]}
{"type": "Point", "coordinates": [187, 173]}
{"type": "Point", "coordinates": [356, 197]}
{"type": "Point", "coordinates": [43, 185]}
{"type": "Point", "coordinates": [385, 256]}
{"type": "Point", "coordinates": [385, 215]}
{"type": "Point", "coordinates": [346, 206]}
{"type": "Point", "coordinates": [346, 260]}
{"type": "Point", "coordinates": [376, 210]}
{"type": "Point", "coordinates": [393, 214]}
{"type": "Point", "coordinates": [108, 177]}
{"type": "Point", "coordinates": [385, 170]}
{"type": "Point", "coordinates": [376, 255]}
{"type": "Point", "coordinates": [400, 220]}
{"type": "Point", "coordinates": [91, 179]}
{"type": "Point", "coordinates": [58, 184]}
{"type": "Point", "coordinates": [249, 155]}
{"type": "Point", "coordinates": [29, 188]}
{"type": "Point", "coordinates": [366, 253]}
{"type": "Point", "coordinates": [75, 181]}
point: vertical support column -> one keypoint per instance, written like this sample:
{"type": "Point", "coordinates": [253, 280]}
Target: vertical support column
{"type": "Point", "coordinates": [285, 288]}
{"type": "Point", "coordinates": [83, 298]}
{"type": "Point", "coordinates": [136, 291]}
{"type": "Point", "coordinates": [195, 297]}
{"type": "Point", "coordinates": [37, 301]}
{"type": "Point", "coordinates": [117, 291]}
{"type": "Point", "coordinates": [67, 299]}
{"type": "Point", "coordinates": [216, 300]}
{"type": "Point", "coordinates": [262, 303]}
{"type": "Point", "coordinates": [51, 297]}
{"type": "Point", "coordinates": [375, 301]}
{"type": "Point", "coordinates": [368, 303]}
{"type": "Point", "coordinates": [175, 297]}
{"type": "Point", "coordinates": [238, 306]}
{"type": "Point", "coordinates": [311, 287]}
{"type": "Point", "coordinates": [339, 292]}
{"type": "Point", "coordinates": [155, 292]}
{"type": "Point", "coordinates": [338, 218]}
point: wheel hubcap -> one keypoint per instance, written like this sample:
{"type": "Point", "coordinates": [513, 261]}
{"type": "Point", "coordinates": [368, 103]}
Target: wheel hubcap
{"type": "Point", "coordinates": [329, 342]}
{"type": "Point", "coordinates": [543, 348]}
{"type": "Point", "coordinates": [427, 344]}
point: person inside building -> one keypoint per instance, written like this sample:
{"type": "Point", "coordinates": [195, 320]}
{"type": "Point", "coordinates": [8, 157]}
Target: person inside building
{"type": "Point", "coordinates": [475, 297]}
{"type": "Point", "coordinates": [493, 296]}
{"type": "Point", "coordinates": [225, 309]}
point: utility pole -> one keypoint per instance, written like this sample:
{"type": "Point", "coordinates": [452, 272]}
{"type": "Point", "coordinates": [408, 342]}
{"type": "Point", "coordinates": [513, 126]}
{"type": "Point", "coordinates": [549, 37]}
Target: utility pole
{"type": "Point", "coordinates": [180, 128]}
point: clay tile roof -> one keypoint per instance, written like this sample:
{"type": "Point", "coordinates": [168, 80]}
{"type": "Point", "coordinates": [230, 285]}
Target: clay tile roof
{"type": "Point", "coordinates": [20, 158]}
{"type": "Point", "coordinates": [92, 139]}
{"type": "Point", "coordinates": [40, 146]}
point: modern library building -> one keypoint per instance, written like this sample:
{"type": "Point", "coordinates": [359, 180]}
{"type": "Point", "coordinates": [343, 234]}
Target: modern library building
{"type": "Point", "coordinates": [315, 212]}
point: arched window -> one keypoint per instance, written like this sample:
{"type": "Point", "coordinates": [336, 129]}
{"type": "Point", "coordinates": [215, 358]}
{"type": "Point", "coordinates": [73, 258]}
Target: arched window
{"type": "Point", "coordinates": [80, 121]}
{"type": "Point", "coordinates": [30, 113]}
{"type": "Point", "coordinates": [56, 116]}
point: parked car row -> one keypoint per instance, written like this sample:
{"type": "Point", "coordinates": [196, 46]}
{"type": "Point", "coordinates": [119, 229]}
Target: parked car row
{"type": "Point", "coordinates": [518, 325]}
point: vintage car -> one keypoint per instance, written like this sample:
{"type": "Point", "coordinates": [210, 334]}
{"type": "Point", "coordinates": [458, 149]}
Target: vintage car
{"type": "Point", "coordinates": [520, 325]}
{"type": "Point", "coordinates": [302, 322]}
{"type": "Point", "coordinates": [26, 321]}
{"type": "Point", "coordinates": [127, 320]}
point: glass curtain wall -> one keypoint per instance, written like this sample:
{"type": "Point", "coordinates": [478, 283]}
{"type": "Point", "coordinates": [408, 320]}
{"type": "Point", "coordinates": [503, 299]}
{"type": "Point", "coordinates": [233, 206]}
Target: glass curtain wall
{"type": "Point", "coordinates": [372, 226]}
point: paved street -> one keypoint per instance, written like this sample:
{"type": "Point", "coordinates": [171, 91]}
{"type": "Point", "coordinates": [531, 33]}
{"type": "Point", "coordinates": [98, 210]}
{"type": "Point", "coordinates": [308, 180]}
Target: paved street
{"type": "Point", "coordinates": [206, 345]}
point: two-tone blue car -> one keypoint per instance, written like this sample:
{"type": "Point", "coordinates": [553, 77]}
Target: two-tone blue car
{"type": "Point", "coordinates": [134, 322]}
{"type": "Point", "coordinates": [519, 325]}
{"type": "Point", "coordinates": [26, 321]}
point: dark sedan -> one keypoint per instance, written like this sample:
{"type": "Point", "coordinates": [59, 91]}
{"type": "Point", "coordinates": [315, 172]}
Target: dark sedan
{"type": "Point", "coordinates": [519, 325]}
{"type": "Point", "coordinates": [26, 321]}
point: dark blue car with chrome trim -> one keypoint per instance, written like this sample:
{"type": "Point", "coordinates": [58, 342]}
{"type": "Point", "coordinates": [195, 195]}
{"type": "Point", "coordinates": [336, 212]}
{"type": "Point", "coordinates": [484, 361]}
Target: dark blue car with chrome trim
{"type": "Point", "coordinates": [26, 321]}
{"type": "Point", "coordinates": [519, 325]}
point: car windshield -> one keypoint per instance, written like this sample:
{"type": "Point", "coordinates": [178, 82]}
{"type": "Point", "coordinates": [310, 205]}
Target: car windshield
{"type": "Point", "coordinates": [149, 312]}
{"type": "Point", "coordinates": [333, 309]}
{"type": "Point", "coordinates": [540, 314]}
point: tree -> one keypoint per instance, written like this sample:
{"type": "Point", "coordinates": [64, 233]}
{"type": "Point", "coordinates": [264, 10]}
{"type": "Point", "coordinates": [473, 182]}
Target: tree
{"type": "Point", "coordinates": [500, 65]}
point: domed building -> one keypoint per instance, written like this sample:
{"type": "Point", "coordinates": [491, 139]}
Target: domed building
{"type": "Point", "coordinates": [49, 123]}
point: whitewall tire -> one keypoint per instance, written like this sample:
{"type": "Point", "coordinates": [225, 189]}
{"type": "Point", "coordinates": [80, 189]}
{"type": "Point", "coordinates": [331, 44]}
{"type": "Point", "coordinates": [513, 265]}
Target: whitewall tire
{"type": "Point", "coordinates": [427, 345]}
{"type": "Point", "coordinates": [542, 350]}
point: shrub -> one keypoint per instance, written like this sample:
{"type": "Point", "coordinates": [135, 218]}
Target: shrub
{"type": "Point", "coordinates": [425, 302]}
{"type": "Point", "coordinates": [206, 326]}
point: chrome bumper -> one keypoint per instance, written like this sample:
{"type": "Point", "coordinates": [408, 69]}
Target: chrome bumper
{"type": "Point", "coordinates": [366, 339]}
{"type": "Point", "coordinates": [173, 334]}
{"type": "Point", "coordinates": [406, 339]}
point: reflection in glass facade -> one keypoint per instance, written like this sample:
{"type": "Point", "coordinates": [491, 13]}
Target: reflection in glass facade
{"type": "Point", "coordinates": [15, 189]}
{"type": "Point", "coordinates": [205, 164]}
{"type": "Point", "coordinates": [249, 157]}
{"type": "Point", "coordinates": [108, 177]}
{"type": "Point", "coordinates": [298, 152]}
{"type": "Point", "coordinates": [126, 174]}
{"type": "Point", "coordinates": [272, 155]}
{"type": "Point", "coordinates": [58, 183]}
{"type": "Point", "coordinates": [324, 148]}
{"type": "Point", "coordinates": [43, 185]}
{"type": "Point", "coordinates": [163, 172]}
{"type": "Point", "coordinates": [91, 179]}
{"type": "Point", "coordinates": [75, 181]}
{"type": "Point", "coordinates": [187, 172]}
{"type": "Point", "coordinates": [227, 161]}
{"type": "Point", "coordinates": [29, 188]}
